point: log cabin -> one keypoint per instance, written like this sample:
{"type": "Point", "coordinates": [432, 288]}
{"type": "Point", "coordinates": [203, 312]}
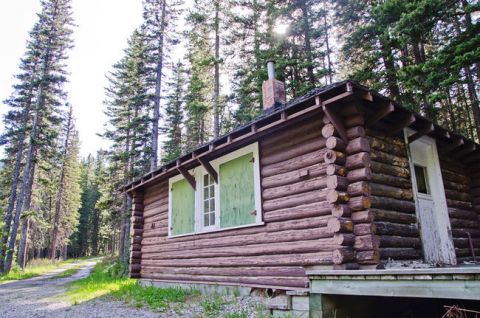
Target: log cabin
{"type": "Point", "coordinates": [340, 180]}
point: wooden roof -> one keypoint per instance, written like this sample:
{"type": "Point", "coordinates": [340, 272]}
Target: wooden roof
{"type": "Point", "coordinates": [381, 113]}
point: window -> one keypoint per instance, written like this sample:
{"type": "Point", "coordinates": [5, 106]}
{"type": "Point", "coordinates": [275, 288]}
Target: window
{"type": "Point", "coordinates": [234, 201]}
{"type": "Point", "coordinates": [421, 177]}
{"type": "Point", "coordinates": [208, 201]}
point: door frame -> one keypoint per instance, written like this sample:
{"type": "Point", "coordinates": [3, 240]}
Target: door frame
{"type": "Point", "coordinates": [446, 250]}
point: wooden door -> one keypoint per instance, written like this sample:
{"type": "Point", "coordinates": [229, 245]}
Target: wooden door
{"type": "Point", "coordinates": [430, 201]}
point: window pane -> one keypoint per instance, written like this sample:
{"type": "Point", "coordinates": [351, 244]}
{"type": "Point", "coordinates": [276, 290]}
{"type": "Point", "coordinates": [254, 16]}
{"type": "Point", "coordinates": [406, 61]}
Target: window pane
{"type": "Point", "coordinates": [421, 176]}
{"type": "Point", "coordinates": [206, 220]}
{"type": "Point", "coordinates": [212, 218]}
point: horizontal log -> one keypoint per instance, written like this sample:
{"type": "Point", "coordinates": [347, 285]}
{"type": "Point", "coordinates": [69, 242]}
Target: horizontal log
{"type": "Point", "coordinates": [334, 196]}
{"type": "Point", "coordinates": [400, 253]}
{"type": "Point", "coordinates": [463, 214]}
{"type": "Point", "coordinates": [295, 200]}
{"type": "Point", "coordinates": [135, 268]}
{"type": "Point", "coordinates": [394, 216]}
{"type": "Point", "coordinates": [455, 177]}
{"type": "Point", "coordinates": [339, 225]}
{"type": "Point", "coordinates": [134, 275]}
{"type": "Point", "coordinates": [333, 169]}
{"type": "Point", "coordinates": [296, 282]}
{"type": "Point", "coordinates": [371, 257]}
{"type": "Point", "coordinates": [157, 217]}
{"type": "Point", "coordinates": [314, 233]}
{"type": "Point", "coordinates": [268, 149]}
{"type": "Point", "coordinates": [138, 206]}
{"type": "Point", "coordinates": [135, 254]}
{"type": "Point", "coordinates": [312, 126]}
{"type": "Point", "coordinates": [399, 241]}
{"type": "Point", "coordinates": [463, 233]}
{"type": "Point", "coordinates": [303, 173]}
{"type": "Point", "coordinates": [136, 219]}
{"type": "Point", "coordinates": [361, 174]}
{"type": "Point", "coordinates": [391, 192]}
{"type": "Point", "coordinates": [378, 167]}
{"type": "Point", "coordinates": [340, 210]}
{"type": "Point", "coordinates": [393, 181]}
{"type": "Point", "coordinates": [466, 252]}
{"type": "Point", "coordinates": [136, 247]}
{"type": "Point", "coordinates": [358, 160]}
{"type": "Point", "coordinates": [366, 242]}
{"type": "Point", "coordinates": [296, 259]}
{"type": "Point", "coordinates": [293, 152]}
{"type": "Point", "coordinates": [137, 240]}
{"type": "Point", "coordinates": [304, 246]}
{"type": "Point", "coordinates": [456, 195]}
{"type": "Point", "coordinates": [358, 188]}
{"type": "Point", "coordinates": [392, 204]}
{"type": "Point", "coordinates": [298, 212]}
{"type": "Point", "coordinates": [459, 204]}
{"type": "Point", "coordinates": [364, 229]}
{"type": "Point", "coordinates": [344, 239]}
{"type": "Point", "coordinates": [387, 158]}
{"type": "Point", "coordinates": [359, 203]}
{"type": "Point", "coordinates": [365, 216]}
{"type": "Point", "coordinates": [455, 186]}
{"type": "Point", "coordinates": [295, 188]}
{"type": "Point", "coordinates": [355, 132]}
{"type": "Point", "coordinates": [335, 143]}
{"type": "Point", "coordinates": [328, 130]}
{"type": "Point", "coordinates": [388, 146]}
{"type": "Point", "coordinates": [337, 182]}
{"type": "Point", "coordinates": [294, 163]}
{"type": "Point", "coordinates": [331, 156]}
{"type": "Point", "coordinates": [308, 223]}
{"type": "Point", "coordinates": [474, 191]}
{"type": "Point", "coordinates": [357, 145]}
{"type": "Point", "coordinates": [279, 271]}
{"type": "Point", "coordinates": [464, 224]}
{"type": "Point", "coordinates": [340, 256]}
{"type": "Point", "coordinates": [405, 230]}
{"type": "Point", "coordinates": [465, 242]}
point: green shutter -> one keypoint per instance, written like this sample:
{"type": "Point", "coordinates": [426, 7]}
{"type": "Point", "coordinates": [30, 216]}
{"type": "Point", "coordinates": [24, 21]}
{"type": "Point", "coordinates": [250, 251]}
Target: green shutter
{"type": "Point", "coordinates": [237, 192]}
{"type": "Point", "coordinates": [183, 208]}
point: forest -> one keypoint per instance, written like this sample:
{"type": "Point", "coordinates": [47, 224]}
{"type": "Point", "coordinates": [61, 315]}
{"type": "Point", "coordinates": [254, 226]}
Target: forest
{"type": "Point", "coordinates": [424, 54]}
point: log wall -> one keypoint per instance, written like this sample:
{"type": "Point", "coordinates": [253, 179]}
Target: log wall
{"type": "Point", "coordinates": [393, 208]}
{"type": "Point", "coordinates": [296, 211]}
{"type": "Point", "coordinates": [461, 189]}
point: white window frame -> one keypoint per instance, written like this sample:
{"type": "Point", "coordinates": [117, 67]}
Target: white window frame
{"type": "Point", "coordinates": [198, 174]}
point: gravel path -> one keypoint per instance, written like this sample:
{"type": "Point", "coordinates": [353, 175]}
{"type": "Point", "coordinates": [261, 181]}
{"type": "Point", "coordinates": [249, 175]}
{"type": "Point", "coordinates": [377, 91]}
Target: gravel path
{"type": "Point", "coordinates": [39, 297]}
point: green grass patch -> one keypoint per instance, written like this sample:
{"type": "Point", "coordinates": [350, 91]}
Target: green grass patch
{"type": "Point", "coordinates": [106, 280]}
{"type": "Point", "coordinates": [69, 272]}
{"type": "Point", "coordinates": [35, 268]}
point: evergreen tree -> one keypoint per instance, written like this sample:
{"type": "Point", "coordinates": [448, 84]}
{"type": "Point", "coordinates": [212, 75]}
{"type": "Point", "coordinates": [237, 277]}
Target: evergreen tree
{"type": "Point", "coordinates": [159, 32]}
{"type": "Point", "coordinates": [46, 53]}
{"type": "Point", "coordinates": [173, 145]}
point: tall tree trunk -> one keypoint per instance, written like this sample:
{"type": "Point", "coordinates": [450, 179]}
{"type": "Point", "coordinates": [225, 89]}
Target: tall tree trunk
{"type": "Point", "coordinates": [158, 88]}
{"type": "Point", "coordinates": [308, 46]}
{"type": "Point", "coordinates": [61, 185]}
{"type": "Point", "coordinates": [22, 249]}
{"type": "Point", "coordinates": [216, 83]}
{"type": "Point", "coordinates": [389, 63]}
{"type": "Point", "coordinates": [327, 45]}
{"type": "Point", "coordinates": [16, 175]}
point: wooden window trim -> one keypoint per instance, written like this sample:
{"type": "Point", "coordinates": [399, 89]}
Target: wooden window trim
{"type": "Point", "coordinates": [198, 173]}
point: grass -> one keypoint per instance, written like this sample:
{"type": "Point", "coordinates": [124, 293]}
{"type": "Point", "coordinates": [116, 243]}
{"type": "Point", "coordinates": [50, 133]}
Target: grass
{"type": "Point", "coordinates": [107, 279]}
{"type": "Point", "coordinates": [69, 272]}
{"type": "Point", "coordinates": [35, 268]}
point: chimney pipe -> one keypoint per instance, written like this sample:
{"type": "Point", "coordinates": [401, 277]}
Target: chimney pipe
{"type": "Point", "coordinates": [271, 70]}
{"type": "Point", "coordinates": [273, 91]}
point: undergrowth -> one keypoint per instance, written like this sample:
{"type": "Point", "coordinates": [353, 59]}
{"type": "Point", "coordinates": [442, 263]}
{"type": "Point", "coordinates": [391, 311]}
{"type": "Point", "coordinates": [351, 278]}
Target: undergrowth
{"type": "Point", "coordinates": [34, 268]}
{"type": "Point", "coordinates": [108, 279]}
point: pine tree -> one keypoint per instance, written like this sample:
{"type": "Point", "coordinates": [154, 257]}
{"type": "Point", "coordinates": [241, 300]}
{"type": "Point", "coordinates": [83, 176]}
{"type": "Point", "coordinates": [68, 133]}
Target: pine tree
{"type": "Point", "coordinates": [159, 32]}
{"type": "Point", "coordinates": [129, 129]}
{"type": "Point", "coordinates": [49, 43]}
{"type": "Point", "coordinates": [173, 145]}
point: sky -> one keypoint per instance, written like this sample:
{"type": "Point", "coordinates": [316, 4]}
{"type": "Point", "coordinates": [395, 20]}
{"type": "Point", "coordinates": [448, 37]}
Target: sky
{"type": "Point", "coordinates": [103, 27]}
